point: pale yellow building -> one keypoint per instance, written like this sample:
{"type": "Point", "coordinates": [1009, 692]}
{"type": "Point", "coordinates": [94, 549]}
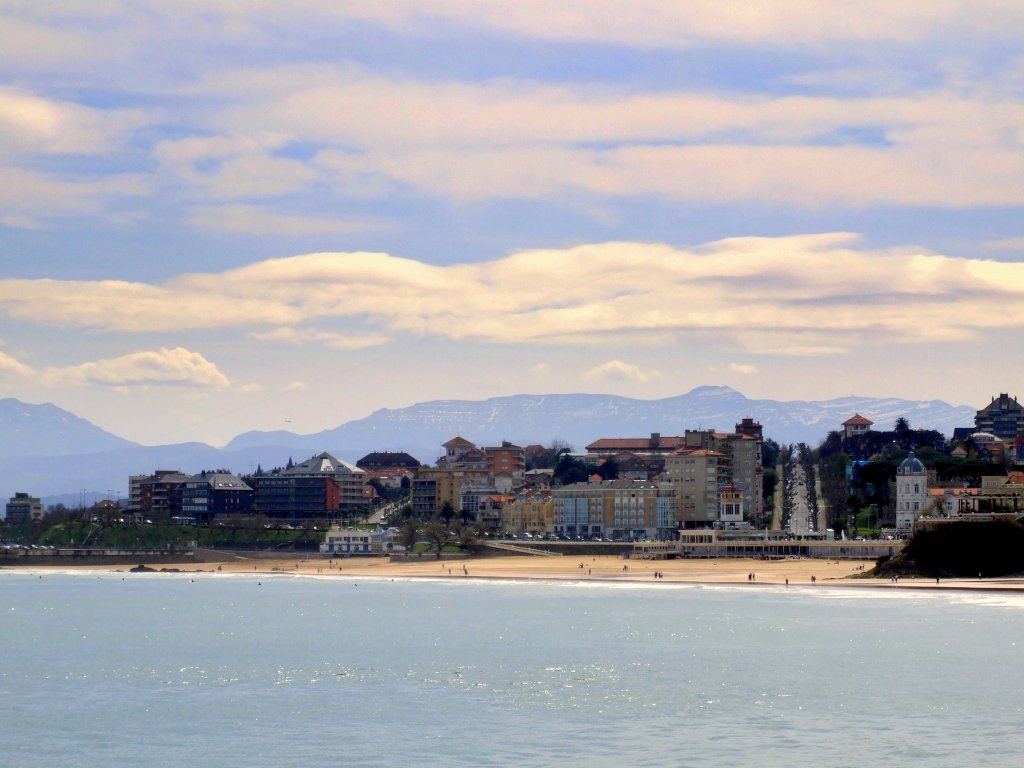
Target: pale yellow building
{"type": "Point", "coordinates": [617, 510]}
{"type": "Point", "coordinates": [529, 514]}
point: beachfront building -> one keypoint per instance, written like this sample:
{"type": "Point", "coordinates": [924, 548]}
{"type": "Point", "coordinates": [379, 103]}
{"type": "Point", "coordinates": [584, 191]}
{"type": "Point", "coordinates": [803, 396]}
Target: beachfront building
{"type": "Point", "coordinates": [730, 506]}
{"type": "Point", "coordinates": [696, 475]}
{"type": "Point", "coordinates": [22, 508]}
{"type": "Point", "coordinates": [212, 494]}
{"type": "Point", "coordinates": [912, 497]}
{"type": "Point", "coordinates": [619, 510]}
{"type": "Point", "coordinates": [351, 480]}
{"type": "Point", "coordinates": [716, 459]}
{"type": "Point", "coordinates": [157, 495]}
{"type": "Point", "coordinates": [297, 497]}
{"type": "Point", "coordinates": [531, 513]}
{"type": "Point", "coordinates": [358, 541]}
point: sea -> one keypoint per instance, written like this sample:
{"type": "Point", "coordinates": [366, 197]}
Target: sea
{"type": "Point", "coordinates": [109, 669]}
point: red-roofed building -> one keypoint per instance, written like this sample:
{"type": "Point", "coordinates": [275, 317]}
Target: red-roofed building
{"type": "Point", "coordinates": [856, 425]}
{"type": "Point", "coordinates": [655, 445]}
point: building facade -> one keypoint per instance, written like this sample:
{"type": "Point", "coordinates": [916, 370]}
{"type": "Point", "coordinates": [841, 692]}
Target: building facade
{"type": "Point", "coordinates": [1003, 417]}
{"type": "Point", "coordinates": [22, 508]}
{"type": "Point", "coordinates": [211, 494]}
{"type": "Point", "coordinates": [617, 510]}
{"type": "Point", "coordinates": [912, 497]}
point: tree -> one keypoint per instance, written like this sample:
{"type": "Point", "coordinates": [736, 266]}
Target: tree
{"type": "Point", "coordinates": [609, 469]}
{"type": "Point", "coordinates": [409, 533]}
{"type": "Point", "coordinates": [569, 470]}
{"type": "Point", "coordinates": [447, 512]}
{"type": "Point", "coordinates": [436, 533]}
{"type": "Point", "coordinates": [467, 536]}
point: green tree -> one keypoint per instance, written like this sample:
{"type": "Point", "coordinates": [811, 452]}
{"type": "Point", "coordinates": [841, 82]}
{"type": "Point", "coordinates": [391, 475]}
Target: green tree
{"type": "Point", "coordinates": [447, 512]}
{"type": "Point", "coordinates": [409, 533]}
{"type": "Point", "coordinates": [436, 533]}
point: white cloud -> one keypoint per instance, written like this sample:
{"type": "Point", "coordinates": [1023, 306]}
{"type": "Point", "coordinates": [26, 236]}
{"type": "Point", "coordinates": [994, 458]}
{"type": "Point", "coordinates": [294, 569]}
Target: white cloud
{"type": "Point", "coordinates": [26, 196]}
{"type": "Point", "coordinates": [797, 295]}
{"type": "Point", "coordinates": [166, 366]}
{"type": "Point", "coordinates": [10, 365]}
{"type": "Point", "coordinates": [745, 368]}
{"type": "Point", "coordinates": [303, 336]}
{"type": "Point", "coordinates": [295, 386]}
{"type": "Point", "coordinates": [31, 123]}
{"type": "Point", "coordinates": [517, 139]}
{"type": "Point", "coordinates": [252, 219]}
{"type": "Point", "coordinates": [617, 370]}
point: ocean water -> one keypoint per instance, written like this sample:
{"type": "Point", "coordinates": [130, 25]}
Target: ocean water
{"type": "Point", "coordinates": [176, 670]}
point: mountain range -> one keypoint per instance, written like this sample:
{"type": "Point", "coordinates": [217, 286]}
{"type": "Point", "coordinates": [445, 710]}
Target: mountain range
{"type": "Point", "coordinates": [52, 453]}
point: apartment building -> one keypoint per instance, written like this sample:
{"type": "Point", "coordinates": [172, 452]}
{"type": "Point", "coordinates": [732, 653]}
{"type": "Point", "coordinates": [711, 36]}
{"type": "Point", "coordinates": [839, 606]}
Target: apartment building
{"type": "Point", "coordinates": [618, 510]}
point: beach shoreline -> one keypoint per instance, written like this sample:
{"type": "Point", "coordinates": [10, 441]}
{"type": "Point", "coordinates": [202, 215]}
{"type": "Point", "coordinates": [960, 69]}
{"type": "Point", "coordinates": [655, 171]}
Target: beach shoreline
{"type": "Point", "coordinates": [796, 572]}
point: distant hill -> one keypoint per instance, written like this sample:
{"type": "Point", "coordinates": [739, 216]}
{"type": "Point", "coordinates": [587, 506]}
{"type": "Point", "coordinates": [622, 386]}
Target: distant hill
{"type": "Point", "coordinates": [46, 430]}
{"type": "Point", "coordinates": [96, 461]}
{"type": "Point", "coordinates": [581, 419]}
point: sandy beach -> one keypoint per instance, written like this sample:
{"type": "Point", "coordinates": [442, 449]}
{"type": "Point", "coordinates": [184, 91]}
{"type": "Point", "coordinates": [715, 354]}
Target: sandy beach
{"type": "Point", "coordinates": [801, 572]}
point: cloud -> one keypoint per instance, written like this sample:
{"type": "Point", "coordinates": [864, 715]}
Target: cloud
{"type": "Point", "coordinates": [1006, 244]}
{"type": "Point", "coordinates": [521, 139]}
{"type": "Point", "coordinates": [27, 195]}
{"type": "Point", "coordinates": [164, 366]}
{"type": "Point", "coordinates": [10, 365]}
{"type": "Point", "coordinates": [795, 295]}
{"type": "Point", "coordinates": [745, 368]}
{"type": "Point", "coordinates": [32, 123]}
{"type": "Point", "coordinates": [295, 386]}
{"type": "Point", "coordinates": [250, 219]}
{"type": "Point", "coordinates": [326, 338]}
{"type": "Point", "coordinates": [617, 370]}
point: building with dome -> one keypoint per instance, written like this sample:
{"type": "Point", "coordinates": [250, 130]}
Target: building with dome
{"type": "Point", "coordinates": [912, 498]}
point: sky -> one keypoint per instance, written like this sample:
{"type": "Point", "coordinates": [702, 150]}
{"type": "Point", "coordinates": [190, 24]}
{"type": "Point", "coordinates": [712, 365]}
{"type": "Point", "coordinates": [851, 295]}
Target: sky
{"type": "Point", "coordinates": [220, 216]}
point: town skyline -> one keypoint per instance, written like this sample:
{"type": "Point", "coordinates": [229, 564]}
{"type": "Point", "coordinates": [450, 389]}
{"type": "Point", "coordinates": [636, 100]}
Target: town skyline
{"type": "Point", "coordinates": [258, 219]}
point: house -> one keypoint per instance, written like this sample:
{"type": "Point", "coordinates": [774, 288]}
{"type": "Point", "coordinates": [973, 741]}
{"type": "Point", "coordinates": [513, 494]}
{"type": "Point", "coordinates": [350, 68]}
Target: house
{"type": "Point", "coordinates": [856, 425]}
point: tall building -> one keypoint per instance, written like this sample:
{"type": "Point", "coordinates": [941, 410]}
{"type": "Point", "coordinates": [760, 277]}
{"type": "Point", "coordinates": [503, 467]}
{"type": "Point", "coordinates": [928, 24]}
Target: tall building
{"type": "Point", "coordinates": [696, 475]}
{"type": "Point", "coordinates": [723, 458]}
{"type": "Point", "coordinates": [157, 495]}
{"type": "Point", "coordinates": [209, 494]}
{"type": "Point", "coordinates": [912, 497]}
{"type": "Point", "coordinates": [22, 508]}
{"type": "Point", "coordinates": [297, 497]}
{"type": "Point", "coordinates": [350, 479]}
{"type": "Point", "coordinates": [1003, 417]}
